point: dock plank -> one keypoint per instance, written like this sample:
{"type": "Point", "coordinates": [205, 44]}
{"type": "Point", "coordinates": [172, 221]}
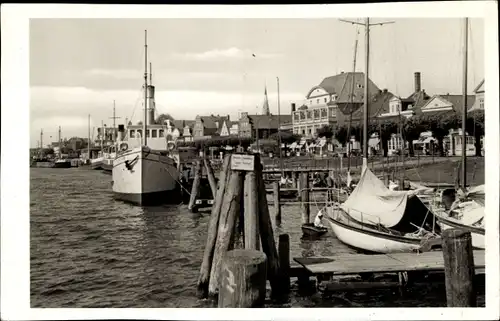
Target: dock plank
{"type": "Point", "coordinates": [380, 263]}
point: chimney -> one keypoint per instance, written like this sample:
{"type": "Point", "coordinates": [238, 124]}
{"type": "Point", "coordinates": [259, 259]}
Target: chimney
{"type": "Point", "coordinates": [293, 107]}
{"type": "Point", "coordinates": [417, 82]}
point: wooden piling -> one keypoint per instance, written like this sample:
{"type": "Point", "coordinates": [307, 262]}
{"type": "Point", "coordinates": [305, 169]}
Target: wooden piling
{"type": "Point", "coordinates": [251, 212]}
{"type": "Point", "coordinates": [459, 268]}
{"type": "Point", "coordinates": [225, 233]}
{"type": "Point", "coordinates": [277, 203]}
{"type": "Point", "coordinates": [213, 225]}
{"type": "Point", "coordinates": [266, 232]}
{"type": "Point", "coordinates": [284, 259]}
{"type": "Point", "coordinates": [196, 187]}
{"type": "Point", "coordinates": [243, 279]}
{"type": "Point", "coordinates": [211, 177]}
{"type": "Point", "coordinates": [304, 197]}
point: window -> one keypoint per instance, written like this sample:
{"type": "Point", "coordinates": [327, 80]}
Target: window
{"type": "Point", "coordinates": [317, 101]}
{"type": "Point", "coordinates": [326, 100]}
{"type": "Point", "coordinates": [316, 113]}
{"type": "Point", "coordinates": [139, 132]}
{"type": "Point", "coordinates": [153, 133]}
{"type": "Point", "coordinates": [147, 133]}
{"type": "Point", "coordinates": [161, 133]}
{"type": "Point", "coordinates": [324, 113]}
{"type": "Point", "coordinates": [303, 131]}
{"type": "Point", "coordinates": [132, 133]}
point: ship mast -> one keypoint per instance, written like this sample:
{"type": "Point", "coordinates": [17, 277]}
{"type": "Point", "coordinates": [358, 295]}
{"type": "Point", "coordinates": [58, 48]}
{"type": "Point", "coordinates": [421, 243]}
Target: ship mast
{"type": "Point", "coordinates": [145, 126]}
{"type": "Point", "coordinates": [59, 137]}
{"type": "Point", "coordinates": [88, 142]}
{"type": "Point", "coordinates": [367, 26]}
{"type": "Point", "coordinates": [464, 111]}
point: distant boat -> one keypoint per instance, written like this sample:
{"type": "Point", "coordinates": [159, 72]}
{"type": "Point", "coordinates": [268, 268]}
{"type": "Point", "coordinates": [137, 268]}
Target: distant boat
{"type": "Point", "coordinates": [96, 163]}
{"type": "Point", "coordinates": [107, 161]}
{"type": "Point", "coordinates": [62, 163]}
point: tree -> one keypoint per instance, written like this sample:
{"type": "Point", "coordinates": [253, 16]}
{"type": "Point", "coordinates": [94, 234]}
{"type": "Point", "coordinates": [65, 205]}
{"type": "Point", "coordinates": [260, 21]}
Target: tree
{"type": "Point", "coordinates": [326, 131]}
{"type": "Point", "coordinates": [286, 137]}
{"type": "Point", "coordinates": [341, 134]}
{"type": "Point", "coordinates": [412, 128]}
{"type": "Point", "coordinates": [439, 124]}
{"type": "Point", "coordinates": [162, 118]}
{"type": "Point", "coordinates": [385, 128]}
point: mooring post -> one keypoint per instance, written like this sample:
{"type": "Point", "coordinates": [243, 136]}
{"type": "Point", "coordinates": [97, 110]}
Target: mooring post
{"type": "Point", "coordinates": [284, 257]}
{"type": "Point", "coordinates": [211, 177]}
{"type": "Point", "coordinates": [196, 187]}
{"type": "Point", "coordinates": [266, 233]}
{"type": "Point", "coordinates": [251, 212]}
{"type": "Point", "coordinates": [304, 197]}
{"type": "Point", "coordinates": [243, 279]}
{"type": "Point", "coordinates": [459, 268]}
{"type": "Point", "coordinates": [225, 233]}
{"type": "Point", "coordinates": [277, 203]}
{"type": "Point", "coordinates": [213, 225]}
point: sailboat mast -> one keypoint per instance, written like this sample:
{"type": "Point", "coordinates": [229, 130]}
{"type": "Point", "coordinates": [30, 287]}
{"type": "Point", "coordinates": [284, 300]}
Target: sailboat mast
{"type": "Point", "coordinates": [464, 111]}
{"type": "Point", "coordinates": [59, 138]}
{"type": "Point", "coordinates": [351, 103]}
{"type": "Point", "coordinates": [41, 142]}
{"type": "Point", "coordinates": [279, 127]}
{"type": "Point", "coordinates": [365, 109]}
{"type": "Point", "coordinates": [145, 122]}
{"type": "Point", "coordinates": [88, 142]}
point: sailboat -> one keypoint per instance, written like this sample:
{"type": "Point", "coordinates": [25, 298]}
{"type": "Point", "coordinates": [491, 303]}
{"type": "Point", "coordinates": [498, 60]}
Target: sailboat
{"type": "Point", "coordinates": [61, 162]}
{"type": "Point", "coordinates": [374, 218]}
{"type": "Point", "coordinates": [141, 175]}
{"type": "Point", "coordinates": [467, 212]}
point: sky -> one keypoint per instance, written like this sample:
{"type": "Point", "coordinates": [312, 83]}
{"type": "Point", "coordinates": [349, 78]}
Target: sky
{"type": "Point", "coordinates": [221, 66]}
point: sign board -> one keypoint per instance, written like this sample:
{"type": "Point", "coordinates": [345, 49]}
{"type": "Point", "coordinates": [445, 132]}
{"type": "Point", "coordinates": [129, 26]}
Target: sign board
{"type": "Point", "coordinates": [242, 162]}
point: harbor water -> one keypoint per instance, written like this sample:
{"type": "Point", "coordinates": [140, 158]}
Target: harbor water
{"type": "Point", "coordinates": [89, 251]}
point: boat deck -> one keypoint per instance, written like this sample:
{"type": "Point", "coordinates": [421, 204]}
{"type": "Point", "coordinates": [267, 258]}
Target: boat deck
{"type": "Point", "coordinates": [381, 263]}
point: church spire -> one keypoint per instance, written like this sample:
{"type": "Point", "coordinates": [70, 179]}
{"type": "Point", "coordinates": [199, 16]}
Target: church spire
{"type": "Point", "coordinates": [265, 106]}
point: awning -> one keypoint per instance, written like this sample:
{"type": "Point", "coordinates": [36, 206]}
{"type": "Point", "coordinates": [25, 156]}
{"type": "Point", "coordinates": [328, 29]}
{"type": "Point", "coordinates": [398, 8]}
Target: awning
{"type": "Point", "coordinates": [312, 145]}
{"type": "Point", "coordinates": [321, 143]}
{"type": "Point", "coordinates": [293, 145]}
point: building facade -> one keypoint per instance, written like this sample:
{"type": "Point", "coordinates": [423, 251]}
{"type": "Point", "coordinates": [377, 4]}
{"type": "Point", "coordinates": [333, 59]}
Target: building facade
{"type": "Point", "coordinates": [328, 102]}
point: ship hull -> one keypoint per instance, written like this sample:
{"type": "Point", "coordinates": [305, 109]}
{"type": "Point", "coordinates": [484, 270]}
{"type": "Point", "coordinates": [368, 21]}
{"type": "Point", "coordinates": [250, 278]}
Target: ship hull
{"type": "Point", "coordinates": [145, 177]}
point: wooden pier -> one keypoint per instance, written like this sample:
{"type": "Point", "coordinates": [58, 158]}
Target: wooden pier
{"type": "Point", "coordinates": [380, 263]}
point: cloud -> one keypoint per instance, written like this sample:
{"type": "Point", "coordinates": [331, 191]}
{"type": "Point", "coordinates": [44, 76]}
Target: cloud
{"type": "Point", "coordinates": [229, 53]}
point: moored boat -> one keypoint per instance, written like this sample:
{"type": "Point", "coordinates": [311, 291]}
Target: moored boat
{"type": "Point", "coordinates": [142, 175]}
{"type": "Point", "coordinates": [62, 163]}
{"type": "Point", "coordinates": [308, 229]}
{"type": "Point", "coordinates": [467, 213]}
{"type": "Point", "coordinates": [376, 219]}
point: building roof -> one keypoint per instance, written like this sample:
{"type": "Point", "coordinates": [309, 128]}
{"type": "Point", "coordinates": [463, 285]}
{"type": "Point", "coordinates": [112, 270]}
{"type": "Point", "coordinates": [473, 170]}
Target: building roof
{"type": "Point", "coordinates": [269, 121]}
{"type": "Point", "coordinates": [419, 99]}
{"type": "Point", "coordinates": [341, 85]}
{"type": "Point", "coordinates": [379, 104]}
{"type": "Point", "coordinates": [181, 123]}
{"type": "Point", "coordinates": [480, 87]}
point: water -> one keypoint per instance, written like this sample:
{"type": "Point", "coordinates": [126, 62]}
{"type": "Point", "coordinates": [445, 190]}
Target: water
{"type": "Point", "coordinates": [89, 251]}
